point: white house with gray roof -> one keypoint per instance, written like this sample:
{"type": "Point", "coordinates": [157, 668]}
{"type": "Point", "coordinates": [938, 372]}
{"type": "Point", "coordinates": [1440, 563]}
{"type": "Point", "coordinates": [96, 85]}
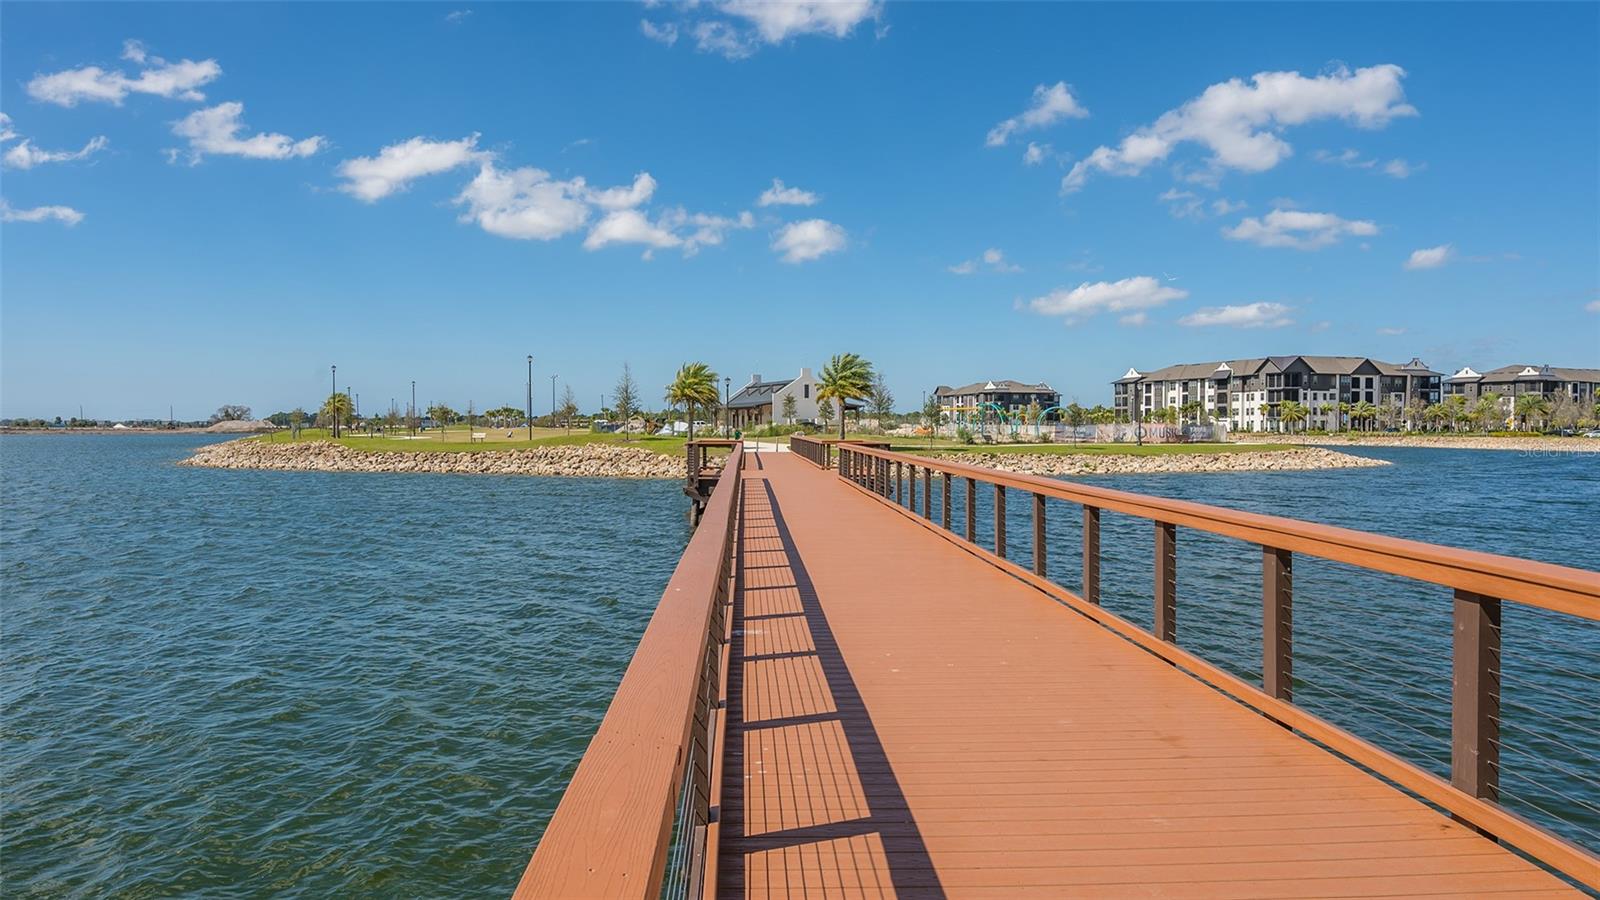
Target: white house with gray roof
{"type": "Point", "coordinates": [761, 402]}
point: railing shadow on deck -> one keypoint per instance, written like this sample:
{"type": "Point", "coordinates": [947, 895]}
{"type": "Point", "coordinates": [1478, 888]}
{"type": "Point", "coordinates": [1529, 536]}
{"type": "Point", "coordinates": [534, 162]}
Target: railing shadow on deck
{"type": "Point", "coordinates": [888, 812]}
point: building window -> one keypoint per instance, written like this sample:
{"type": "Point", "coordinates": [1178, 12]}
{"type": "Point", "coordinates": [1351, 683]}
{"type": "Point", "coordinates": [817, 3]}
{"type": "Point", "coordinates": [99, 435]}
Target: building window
{"type": "Point", "coordinates": [807, 389]}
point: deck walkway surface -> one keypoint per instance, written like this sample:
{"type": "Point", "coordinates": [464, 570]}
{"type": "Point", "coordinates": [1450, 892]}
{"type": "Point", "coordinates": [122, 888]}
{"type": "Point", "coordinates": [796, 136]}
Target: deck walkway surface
{"type": "Point", "coordinates": [908, 721]}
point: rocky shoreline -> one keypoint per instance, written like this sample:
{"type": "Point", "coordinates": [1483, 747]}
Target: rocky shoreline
{"type": "Point", "coordinates": [1301, 460]}
{"type": "Point", "coordinates": [570, 461]}
{"type": "Point", "coordinates": [1441, 441]}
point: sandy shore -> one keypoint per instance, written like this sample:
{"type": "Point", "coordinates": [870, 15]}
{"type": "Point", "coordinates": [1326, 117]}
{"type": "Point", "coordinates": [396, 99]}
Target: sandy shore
{"type": "Point", "coordinates": [1441, 441]}
{"type": "Point", "coordinates": [1306, 459]}
{"type": "Point", "coordinates": [577, 461]}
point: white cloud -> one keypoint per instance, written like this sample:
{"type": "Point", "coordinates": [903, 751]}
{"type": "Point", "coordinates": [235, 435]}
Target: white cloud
{"type": "Point", "coordinates": [1351, 159]}
{"type": "Point", "coordinates": [524, 204]}
{"type": "Point", "coordinates": [1135, 319]}
{"type": "Point", "coordinates": [705, 229]}
{"type": "Point", "coordinates": [1224, 206]}
{"type": "Point", "coordinates": [215, 130]}
{"type": "Point", "coordinates": [782, 195]}
{"type": "Point", "coordinates": [1036, 153]}
{"type": "Point", "coordinates": [738, 28]}
{"type": "Point", "coordinates": [799, 242]}
{"type": "Point", "coordinates": [1183, 204]}
{"type": "Point", "coordinates": [1592, 306]}
{"type": "Point", "coordinates": [1239, 123]}
{"type": "Point", "coordinates": [1430, 257]}
{"type": "Point", "coordinates": [665, 33]}
{"type": "Point", "coordinates": [63, 214]}
{"type": "Point", "coordinates": [1298, 229]}
{"type": "Point", "coordinates": [25, 155]}
{"type": "Point", "coordinates": [1128, 295]}
{"type": "Point", "coordinates": [457, 16]}
{"type": "Point", "coordinates": [178, 80]}
{"type": "Point", "coordinates": [623, 197]}
{"type": "Point", "coordinates": [993, 257]}
{"type": "Point", "coordinates": [629, 226]}
{"type": "Point", "coordinates": [1050, 104]}
{"type": "Point", "coordinates": [371, 178]}
{"type": "Point", "coordinates": [1323, 325]}
{"type": "Point", "coordinates": [1391, 332]}
{"type": "Point", "coordinates": [1246, 315]}
{"type": "Point", "coordinates": [965, 267]}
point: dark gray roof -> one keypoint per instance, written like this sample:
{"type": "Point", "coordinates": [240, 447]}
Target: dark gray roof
{"type": "Point", "coordinates": [1506, 374]}
{"type": "Point", "coordinates": [758, 394]}
{"type": "Point", "coordinates": [983, 387]}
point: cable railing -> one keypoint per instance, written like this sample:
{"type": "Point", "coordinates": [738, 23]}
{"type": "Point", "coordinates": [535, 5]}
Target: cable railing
{"type": "Point", "coordinates": [819, 450]}
{"type": "Point", "coordinates": [1450, 754]}
{"type": "Point", "coordinates": [637, 820]}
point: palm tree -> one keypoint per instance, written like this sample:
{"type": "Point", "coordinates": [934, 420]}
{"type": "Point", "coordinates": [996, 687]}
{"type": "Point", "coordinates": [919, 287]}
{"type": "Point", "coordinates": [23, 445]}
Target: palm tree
{"type": "Point", "coordinates": [1292, 413]}
{"type": "Point", "coordinates": [695, 385]}
{"type": "Point", "coordinates": [336, 407]}
{"type": "Point", "coordinates": [1530, 407]}
{"type": "Point", "coordinates": [1436, 414]}
{"type": "Point", "coordinates": [846, 377]}
{"type": "Point", "coordinates": [1455, 409]}
{"type": "Point", "coordinates": [1344, 416]}
{"type": "Point", "coordinates": [1364, 413]}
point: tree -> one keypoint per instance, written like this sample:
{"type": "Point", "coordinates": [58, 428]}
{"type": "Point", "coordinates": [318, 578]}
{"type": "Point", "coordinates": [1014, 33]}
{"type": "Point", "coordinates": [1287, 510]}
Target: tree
{"type": "Point", "coordinates": [932, 416]}
{"type": "Point", "coordinates": [789, 409]}
{"type": "Point", "coordinates": [569, 406]}
{"type": "Point", "coordinates": [1487, 411]}
{"type": "Point", "coordinates": [1531, 408]}
{"type": "Point", "coordinates": [881, 400]}
{"type": "Point", "coordinates": [1564, 411]}
{"type": "Point", "coordinates": [846, 377]}
{"type": "Point", "coordinates": [1435, 415]}
{"type": "Point", "coordinates": [625, 397]}
{"type": "Point", "coordinates": [1191, 411]}
{"type": "Point", "coordinates": [296, 417]}
{"type": "Point", "coordinates": [1416, 412]}
{"type": "Point", "coordinates": [335, 409]}
{"type": "Point", "coordinates": [1292, 413]}
{"type": "Point", "coordinates": [443, 415]}
{"type": "Point", "coordinates": [231, 413]}
{"type": "Point", "coordinates": [1455, 408]}
{"type": "Point", "coordinates": [1364, 413]}
{"type": "Point", "coordinates": [695, 385]}
{"type": "Point", "coordinates": [1344, 416]}
{"type": "Point", "coordinates": [825, 414]}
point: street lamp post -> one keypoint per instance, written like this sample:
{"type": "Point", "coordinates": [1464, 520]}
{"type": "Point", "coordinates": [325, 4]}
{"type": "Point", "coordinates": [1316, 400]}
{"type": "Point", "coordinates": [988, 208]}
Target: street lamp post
{"type": "Point", "coordinates": [552, 401]}
{"type": "Point", "coordinates": [333, 400]}
{"type": "Point", "coordinates": [410, 419]}
{"type": "Point", "coordinates": [727, 422]}
{"type": "Point", "coordinates": [530, 396]}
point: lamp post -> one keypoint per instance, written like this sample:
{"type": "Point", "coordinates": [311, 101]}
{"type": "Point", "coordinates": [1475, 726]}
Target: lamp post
{"type": "Point", "coordinates": [333, 400]}
{"type": "Point", "coordinates": [727, 424]}
{"type": "Point", "coordinates": [552, 401]}
{"type": "Point", "coordinates": [413, 415]}
{"type": "Point", "coordinates": [530, 396]}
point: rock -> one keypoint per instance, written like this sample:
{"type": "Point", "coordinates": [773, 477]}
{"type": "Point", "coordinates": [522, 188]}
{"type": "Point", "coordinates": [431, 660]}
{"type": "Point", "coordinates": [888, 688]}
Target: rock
{"type": "Point", "coordinates": [574, 461]}
{"type": "Point", "coordinates": [1054, 464]}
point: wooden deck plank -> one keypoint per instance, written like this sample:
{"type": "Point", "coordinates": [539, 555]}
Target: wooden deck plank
{"type": "Point", "coordinates": [909, 722]}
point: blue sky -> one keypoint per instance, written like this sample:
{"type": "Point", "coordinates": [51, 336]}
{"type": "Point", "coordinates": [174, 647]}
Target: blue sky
{"type": "Point", "coordinates": [247, 193]}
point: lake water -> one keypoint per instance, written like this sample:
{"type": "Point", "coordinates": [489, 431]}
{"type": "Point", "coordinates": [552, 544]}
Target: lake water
{"type": "Point", "coordinates": [231, 683]}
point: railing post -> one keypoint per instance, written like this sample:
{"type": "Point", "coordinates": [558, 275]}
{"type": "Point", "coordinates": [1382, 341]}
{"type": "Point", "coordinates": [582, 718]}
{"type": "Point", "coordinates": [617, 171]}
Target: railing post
{"type": "Point", "coordinates": [944, 508]}
{"type": "Point", "coordinates": [927, 493]}
{"type": "Point", "coordinates": [899, 476]}
{"type": "Point", "coordinates": [911, 488]}
{"type": "Point", "coordinates": [1000, 521]}
{"type": "Point", "coordinates": [972, 511]}
{"type": "Point", "coordinates": [1166, 620]}
{"type": "Point", "coordinates": [1091, 554]}
{"type": "Point", "coordinates": [1038, 535]}
{"type": "Point", "coordinates": [1475, 696]}
{"type": "Point", "coordinates": [1277, 622]}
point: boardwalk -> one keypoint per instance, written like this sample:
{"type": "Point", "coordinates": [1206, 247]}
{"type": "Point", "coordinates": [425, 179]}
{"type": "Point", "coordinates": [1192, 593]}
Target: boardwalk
{"type": "Point", "coordinates": [908, 721]}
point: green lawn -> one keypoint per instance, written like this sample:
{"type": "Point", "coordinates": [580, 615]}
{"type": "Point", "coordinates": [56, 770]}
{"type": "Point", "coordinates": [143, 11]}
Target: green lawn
{"type": "Point", "coordinates": [460, 439]}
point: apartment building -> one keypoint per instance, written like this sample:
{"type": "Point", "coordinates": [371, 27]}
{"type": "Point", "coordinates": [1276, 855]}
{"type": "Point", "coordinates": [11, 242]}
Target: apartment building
{"type": "Point", "coordinates": [1582, 385]}
{"type": "Point", "coordinates": [970, 403]}
{"type": "Point", "coordinates": [1246, 393]}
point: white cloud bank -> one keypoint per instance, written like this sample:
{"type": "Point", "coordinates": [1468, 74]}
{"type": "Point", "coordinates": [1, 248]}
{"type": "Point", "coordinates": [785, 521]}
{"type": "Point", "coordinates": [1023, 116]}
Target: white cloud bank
{"type": "Point", "coordinates": [782, 195]}
{"type": "Point", "coordinates": [216, 131]}
{"type": "Point", "coordinates": [174, 80]}
{"type": "Point", "coordinates": [63, 214]}
{"type": "Point", "coordinates": [1130, 295]}
{"type": "Point", "coordinates": [1430, 257]}
{"type": "Point", "coordinates": [525, 203]}
{"type": "Point", "coordinates": [1298, 229]}
{"type": "Point", "coordinates": [737, 29]}
{"type": "Point", "coordinates": [1245, 315]}
{"type": "Point", "coordinates": [1050, 104]}
{"type": "Point", "coordinates": [800, 242]}
{"type": "Point", "coordinates": [1239, 123]}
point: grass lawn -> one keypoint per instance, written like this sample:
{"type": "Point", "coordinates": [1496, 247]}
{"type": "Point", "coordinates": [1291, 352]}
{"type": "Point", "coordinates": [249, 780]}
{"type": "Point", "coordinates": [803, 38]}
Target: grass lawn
{"type": "Point", "coordinates": [460, 439]}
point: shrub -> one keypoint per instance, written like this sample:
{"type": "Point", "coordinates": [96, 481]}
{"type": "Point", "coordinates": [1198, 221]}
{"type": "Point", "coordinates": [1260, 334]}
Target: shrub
{"type": "Point", "coordinates": [964, 434]}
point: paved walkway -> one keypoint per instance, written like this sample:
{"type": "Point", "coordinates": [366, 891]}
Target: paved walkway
{"type": "Point", "coordinates": [906, 721]}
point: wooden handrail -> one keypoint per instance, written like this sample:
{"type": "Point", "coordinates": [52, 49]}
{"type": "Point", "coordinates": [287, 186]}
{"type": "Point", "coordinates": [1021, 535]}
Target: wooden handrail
{"type": "Point", "coordinates": [1472, 793]}
{"type": "Point", "coordinates": [818, 450]}
{"type": "Point", "coordinates": [610, 834]}
{"type": "Point", "coordinates": [1561, 589]}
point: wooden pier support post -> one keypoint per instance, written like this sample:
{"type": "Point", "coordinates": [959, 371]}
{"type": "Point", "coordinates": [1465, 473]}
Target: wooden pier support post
{"type": "Point", "coordinates": [1091, 554]}
{"type": "Point", "coordinates": [1277, 622]}
{"type": "Point", "coordinates": [1038, 535]}
{"type": "Point", "coordinates": [1475, 696]}
{"type": "Point", "coordinates": [1166, 619]}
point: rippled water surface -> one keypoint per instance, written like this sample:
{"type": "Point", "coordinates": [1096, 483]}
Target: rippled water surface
{"type": "Point", "coordinates": [230, 683]}
{"type": "Point", "coordinates": [234, 683]}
